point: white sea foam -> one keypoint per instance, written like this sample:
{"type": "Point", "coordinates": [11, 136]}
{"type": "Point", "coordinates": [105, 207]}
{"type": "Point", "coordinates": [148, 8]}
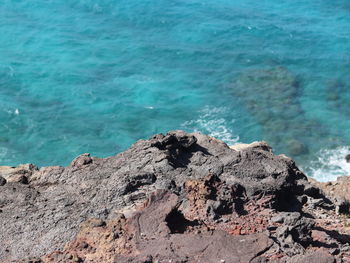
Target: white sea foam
{"type": "Point", "coordinates": [15, 111]}
{"type": "Point", "coordinates": [330, 164]}
{"type": "Point", "coordinates": [211, 122]}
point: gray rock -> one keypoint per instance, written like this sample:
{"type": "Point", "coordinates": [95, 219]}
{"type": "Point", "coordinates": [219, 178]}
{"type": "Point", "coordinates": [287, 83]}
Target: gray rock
{"type": "Point", "coordinates": [294, 233]}
{"type": "Point", "coordinates": [313, 257]}
{"type": "Point", "coordinates": [347, 158]}
{"type": "Point", "coordinates": [43, 215]}
{"type": "Point", "coordinates": [13, 174]}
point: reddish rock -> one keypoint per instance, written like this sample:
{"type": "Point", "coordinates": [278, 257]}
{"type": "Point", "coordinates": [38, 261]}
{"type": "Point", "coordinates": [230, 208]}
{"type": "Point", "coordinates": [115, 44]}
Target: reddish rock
{"type": "Point", "coordinates": [152, 233]}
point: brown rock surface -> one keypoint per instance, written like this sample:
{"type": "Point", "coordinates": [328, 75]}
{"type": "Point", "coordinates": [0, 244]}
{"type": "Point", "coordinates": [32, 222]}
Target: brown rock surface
{"type": "Point", "coordinates": [338, 191]}
{"type": "Point", "coordinates": [174, 198]}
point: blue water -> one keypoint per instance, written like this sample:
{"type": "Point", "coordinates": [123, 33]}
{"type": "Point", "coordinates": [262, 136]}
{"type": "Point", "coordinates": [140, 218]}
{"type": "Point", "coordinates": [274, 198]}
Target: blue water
{"type": "Point", "coordinates": [95, 76]}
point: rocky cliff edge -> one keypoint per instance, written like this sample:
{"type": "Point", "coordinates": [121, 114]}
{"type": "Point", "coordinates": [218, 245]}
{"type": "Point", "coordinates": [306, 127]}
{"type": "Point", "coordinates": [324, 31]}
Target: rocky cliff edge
{"type": "Point", "coordinates": [177, 197]}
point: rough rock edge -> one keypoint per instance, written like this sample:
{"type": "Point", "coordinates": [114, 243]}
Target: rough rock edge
{"type": "Point", "coordinates": [217, 192]}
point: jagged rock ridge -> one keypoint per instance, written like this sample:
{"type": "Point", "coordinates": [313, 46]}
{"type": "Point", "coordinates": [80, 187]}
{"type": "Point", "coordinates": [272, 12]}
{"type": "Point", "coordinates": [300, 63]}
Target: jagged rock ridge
{"type": "Point", "coordinates": [178, 197]}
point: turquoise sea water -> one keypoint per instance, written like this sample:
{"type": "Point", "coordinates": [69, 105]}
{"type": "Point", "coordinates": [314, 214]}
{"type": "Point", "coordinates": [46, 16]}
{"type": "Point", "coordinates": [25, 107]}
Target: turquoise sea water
{"type": "Point", "coordinates": [95, 76]}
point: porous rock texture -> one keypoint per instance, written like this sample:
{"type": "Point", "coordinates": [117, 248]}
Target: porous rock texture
{"type": "Point", "coordinates": [177, 197]}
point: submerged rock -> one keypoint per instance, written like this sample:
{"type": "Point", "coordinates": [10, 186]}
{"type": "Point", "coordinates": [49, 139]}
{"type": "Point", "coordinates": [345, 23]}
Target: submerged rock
{"type": "Point", "coordinates": [271, 96]}
{"type": "Point", "coordinates": [337, 95]}
{"type": "Point", "coordinates": [347, 158]}
{"type": "Point", "coordinates": [177, 197]}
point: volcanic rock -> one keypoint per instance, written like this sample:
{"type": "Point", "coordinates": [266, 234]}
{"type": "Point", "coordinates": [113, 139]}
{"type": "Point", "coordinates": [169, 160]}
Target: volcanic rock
{"type": "Point", "coordinates": [338, 192]}
{"type": "Point", "coordinates": [347, 158]}
{"type": "Point", "coordinates": [179, 197]}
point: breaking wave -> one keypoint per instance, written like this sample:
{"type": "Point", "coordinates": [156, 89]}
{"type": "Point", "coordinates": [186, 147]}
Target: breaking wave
{"type": "Point", "coordinates": [211, 122]}
{"type": "Point", "coordinates": [330, 164]}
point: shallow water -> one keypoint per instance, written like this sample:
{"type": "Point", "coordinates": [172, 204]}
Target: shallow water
{"type": "Point", "coordinates": [94, 76]}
